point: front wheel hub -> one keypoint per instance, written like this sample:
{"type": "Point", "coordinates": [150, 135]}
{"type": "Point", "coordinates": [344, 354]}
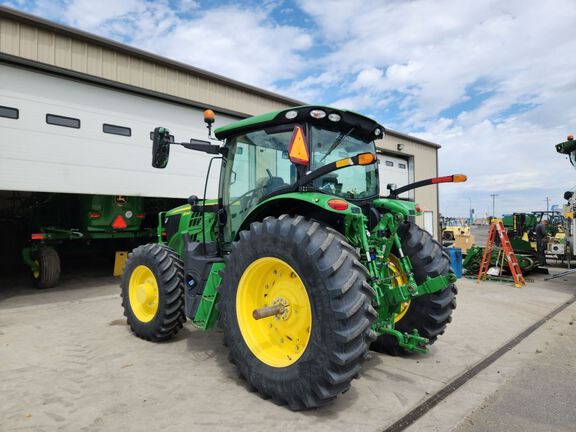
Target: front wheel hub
{"type": "Point", "coordinates": [143, 293]}
{"type": "Point", "coordinates": [280, 334]}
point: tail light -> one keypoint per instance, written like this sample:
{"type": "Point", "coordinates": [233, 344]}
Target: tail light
{"type": "Point", "coordinates": [37, 236]}
{"type": "Point", "coordinates": [338, 204]}
{"type": "Point", "coordinates": [94, 215]}
{"type": "Point", "coordinates": [456, 178]}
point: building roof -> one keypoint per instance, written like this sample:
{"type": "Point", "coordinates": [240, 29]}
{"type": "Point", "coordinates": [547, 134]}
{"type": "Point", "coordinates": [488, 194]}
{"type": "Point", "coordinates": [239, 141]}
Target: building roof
{"type": "Point", "coordinates": [412, 138]}
{"type": "Point", "coordinates": [138, 53]}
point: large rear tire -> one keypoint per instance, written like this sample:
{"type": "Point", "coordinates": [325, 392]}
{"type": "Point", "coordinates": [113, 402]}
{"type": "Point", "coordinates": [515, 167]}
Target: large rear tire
{"type": "Point", "coordinates": [153, 292]}
{"type": "Point", "coordinates": [48, 273]}
{"type": "Point", "coordinates": [307, 355]}
{"type": "Point", "coordinates": [429, 314]}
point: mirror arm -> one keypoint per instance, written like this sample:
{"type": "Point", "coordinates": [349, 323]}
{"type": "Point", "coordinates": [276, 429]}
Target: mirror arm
{"type": "Point", "coordinates": [204, 146]}
{"type": "Point", "coordinates": [456, 178]}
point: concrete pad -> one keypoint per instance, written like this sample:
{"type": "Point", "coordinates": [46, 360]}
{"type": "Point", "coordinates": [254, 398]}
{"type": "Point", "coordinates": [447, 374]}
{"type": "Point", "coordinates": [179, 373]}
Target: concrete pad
{"type": "Point", "coordinates": [531, 388]}
{"type": "Point", "coordinates": [73, 365]}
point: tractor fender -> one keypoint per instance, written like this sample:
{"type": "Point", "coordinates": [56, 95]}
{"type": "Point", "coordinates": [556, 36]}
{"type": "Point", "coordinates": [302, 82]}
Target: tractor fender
{"type": "Point", "coordinates": [309, 204]}
{"type": "Point", "coordinates": [397, 206]}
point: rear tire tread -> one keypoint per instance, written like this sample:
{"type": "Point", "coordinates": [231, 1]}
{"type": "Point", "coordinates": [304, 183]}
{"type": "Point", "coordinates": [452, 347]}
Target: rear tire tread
{"type": "Point", "coordinates": [49, 271]}
{"type": "Point", "coordinates": [429, 314]}
{"type": "Point", "coordinates": [346, 340]}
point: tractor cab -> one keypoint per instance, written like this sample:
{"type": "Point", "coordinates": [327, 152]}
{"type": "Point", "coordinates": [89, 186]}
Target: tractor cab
{"type": "Point", "coordinates": [294, 151]}
{"type": "Point", "coordinates": [304, 149]}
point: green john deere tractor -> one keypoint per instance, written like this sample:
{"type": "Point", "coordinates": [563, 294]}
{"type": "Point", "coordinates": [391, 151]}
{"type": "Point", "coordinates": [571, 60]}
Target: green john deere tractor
{"type": "Point", "coordinates": [299, 260]}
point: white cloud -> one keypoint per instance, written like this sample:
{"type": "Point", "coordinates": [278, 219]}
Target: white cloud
{"type": "Point", "coordinates": [441, 47]}
{"type": "Point", "coordinates": [312, 88]}
{"type": "Point", "coordinates": [368, 78]}
{"type": "Point", "coordinates": [357, 102]}
{"type": "Point", "coordinates": [236, 42]}
{"type": "Point", "coordinates": [90, 15]}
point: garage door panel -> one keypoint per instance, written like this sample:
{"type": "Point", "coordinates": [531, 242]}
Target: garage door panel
{"type": "Point", "coordinates": [46, 177]}
{"type": "Point", "coordinates": [60, 149]}
{"type": "Point", "coordinates": [36, 156]}
{"type": "Point", "coordinates": [393, 169]}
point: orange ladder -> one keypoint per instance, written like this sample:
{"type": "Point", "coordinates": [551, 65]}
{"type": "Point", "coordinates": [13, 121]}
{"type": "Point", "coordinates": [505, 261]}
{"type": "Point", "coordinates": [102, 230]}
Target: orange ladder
{"type": "Point", "coordinates": [497, 227]}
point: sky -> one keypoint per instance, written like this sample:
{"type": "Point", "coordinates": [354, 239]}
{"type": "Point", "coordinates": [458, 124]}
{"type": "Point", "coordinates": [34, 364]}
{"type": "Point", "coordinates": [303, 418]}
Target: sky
{"type": "Point", "coordinates": [493, 82]}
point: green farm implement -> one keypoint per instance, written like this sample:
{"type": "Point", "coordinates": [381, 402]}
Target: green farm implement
{"type": "Point", "coordinates": [473, 260]}
{"type": "Point", "coordinates": [76, 223]}
{"type": "Point", "coordinates": [299, 259]}
{"type": "Point", "coordinates": [521, 227]}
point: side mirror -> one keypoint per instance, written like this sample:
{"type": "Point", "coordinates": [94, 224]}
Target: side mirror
{"type": "Point", "coordinates": [161, 140]}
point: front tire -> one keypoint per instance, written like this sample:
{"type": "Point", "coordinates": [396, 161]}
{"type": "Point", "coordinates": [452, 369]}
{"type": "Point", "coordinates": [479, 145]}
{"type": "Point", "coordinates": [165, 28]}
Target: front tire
{"type": "Point", "coordinates": [153, 292]}
{"type": "Point", "coordinates": [429, 314]}
{"type": "Point", "coordinates": [48, 273]}
{"type": "Point", "coordinates": [308, 355]}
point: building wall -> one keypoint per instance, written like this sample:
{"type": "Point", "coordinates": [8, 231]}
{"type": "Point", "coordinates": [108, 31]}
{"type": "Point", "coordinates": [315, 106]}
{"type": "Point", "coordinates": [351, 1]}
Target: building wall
{"type": "Point", "coordinates": [424, 165]}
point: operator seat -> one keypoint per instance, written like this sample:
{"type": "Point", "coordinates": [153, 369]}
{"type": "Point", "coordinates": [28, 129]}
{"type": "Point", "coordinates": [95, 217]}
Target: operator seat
{"type": "Point", "coordinates": [264, 187]}
{"type": "Point", "coordinates": [273, 184]}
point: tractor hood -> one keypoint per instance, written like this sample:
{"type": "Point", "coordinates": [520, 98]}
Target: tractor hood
{"type": "Point", "coordinates": [326, 117]}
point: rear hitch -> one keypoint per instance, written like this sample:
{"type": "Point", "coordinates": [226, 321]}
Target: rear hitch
{"type": "Point", "coordinates": [411, 342]}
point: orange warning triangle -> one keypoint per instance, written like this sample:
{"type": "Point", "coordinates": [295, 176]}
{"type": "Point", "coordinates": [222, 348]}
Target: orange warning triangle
{"type": "Point", "coordinates": [298, 151]}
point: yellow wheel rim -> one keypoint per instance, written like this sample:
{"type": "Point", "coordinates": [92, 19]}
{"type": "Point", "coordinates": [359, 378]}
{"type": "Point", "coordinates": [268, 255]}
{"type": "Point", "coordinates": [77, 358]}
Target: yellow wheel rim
{"type": "Point", "coordinates": [398, 278]}
{"type": "Point", "coordinates": [143, 293]}
{"type": "Point", "coordinates": [278, 340]}
{"type": "Point", "coordinates": [36, 273]}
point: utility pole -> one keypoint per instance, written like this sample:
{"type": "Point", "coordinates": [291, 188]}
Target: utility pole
{"type": "Point", "coordinates": [493, 204]}
{"type": "Point", "coordinates": [547, 204]}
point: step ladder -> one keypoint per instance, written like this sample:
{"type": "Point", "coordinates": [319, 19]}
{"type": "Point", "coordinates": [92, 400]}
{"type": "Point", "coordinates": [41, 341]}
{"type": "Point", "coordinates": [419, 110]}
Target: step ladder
{"type": "Point", "coordinates": [497, 228]}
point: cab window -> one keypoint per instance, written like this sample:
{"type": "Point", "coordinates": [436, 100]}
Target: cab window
{"type": "Point", "coordinates": [258, 165]}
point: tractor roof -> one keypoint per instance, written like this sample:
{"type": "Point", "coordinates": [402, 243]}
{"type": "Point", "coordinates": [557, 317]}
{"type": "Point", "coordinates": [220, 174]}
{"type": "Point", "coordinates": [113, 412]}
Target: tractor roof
{"type": "Point", "coordinates": [364, 127]}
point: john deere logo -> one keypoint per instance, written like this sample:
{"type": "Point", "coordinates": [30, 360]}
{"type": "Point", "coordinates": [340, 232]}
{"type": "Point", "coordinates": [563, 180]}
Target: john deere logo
{"type": "Point", "coordinates": [120, 200]}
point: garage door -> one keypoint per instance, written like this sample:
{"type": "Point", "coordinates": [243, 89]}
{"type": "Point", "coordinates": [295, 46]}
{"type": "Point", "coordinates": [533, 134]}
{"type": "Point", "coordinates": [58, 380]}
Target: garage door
{"type": "Point", "coordinates": [59, 135]}
{"type": "Point", "coordinates": [393, 169]}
